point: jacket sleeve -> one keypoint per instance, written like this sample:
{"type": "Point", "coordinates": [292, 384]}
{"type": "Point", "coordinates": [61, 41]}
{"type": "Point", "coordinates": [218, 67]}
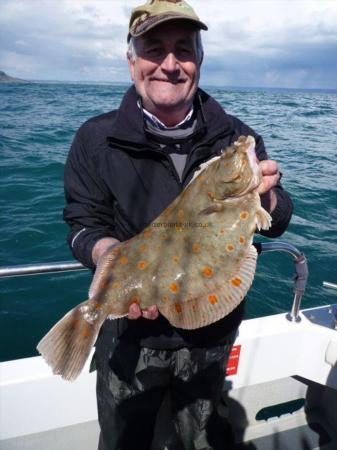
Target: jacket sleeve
{"type": "Point", "coordinates": [89, 205]}
{"type": "Point", "coordinates": [283, 211]}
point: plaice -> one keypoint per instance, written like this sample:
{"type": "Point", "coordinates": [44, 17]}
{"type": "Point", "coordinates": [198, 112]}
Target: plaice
{"type": "Point", "coordinates": [196, 261]}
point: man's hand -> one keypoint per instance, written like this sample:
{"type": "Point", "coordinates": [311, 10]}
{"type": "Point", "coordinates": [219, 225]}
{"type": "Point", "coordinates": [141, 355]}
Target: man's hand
{"type": "Point", "coordinates": [149, 313]}
{"type": "Point", "coordinates": [270, 178]}
{"type": "Point", "coordinates": [270, 175]}
{"type": "Point", "coordinates": [101, 247]}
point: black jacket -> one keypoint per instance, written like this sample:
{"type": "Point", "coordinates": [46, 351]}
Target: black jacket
{"type": "Point", "coordinates": [118, 180]}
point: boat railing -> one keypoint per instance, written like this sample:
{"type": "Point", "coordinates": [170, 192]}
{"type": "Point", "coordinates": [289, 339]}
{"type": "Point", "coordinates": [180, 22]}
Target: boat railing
{"type": "Point", "coordinates": [37, 269]}
{"type": "Point", "coordinates": [300, 278]}
{"type": "Point", "coordinates": [329, 285]}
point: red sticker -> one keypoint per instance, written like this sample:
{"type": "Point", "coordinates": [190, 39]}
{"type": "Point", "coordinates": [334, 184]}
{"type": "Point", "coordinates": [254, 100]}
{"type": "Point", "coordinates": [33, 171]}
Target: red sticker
{"type": "Point", "coordinates": [233, 361]}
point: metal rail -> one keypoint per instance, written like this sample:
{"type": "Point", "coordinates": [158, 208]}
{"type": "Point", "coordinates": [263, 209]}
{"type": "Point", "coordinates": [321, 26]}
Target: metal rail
{"type": "Point", "coordinates": [36, 269]}
{"type": "Point", "coordinates": [329, 285]}
{"type": "Point", "coordinates": [301, 273]}
{"type": "Point", "coordinates": [300, 279]}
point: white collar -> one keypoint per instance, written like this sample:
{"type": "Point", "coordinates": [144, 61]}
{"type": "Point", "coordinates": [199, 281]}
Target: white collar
{"type": "Point", "coordinates": [159, 124]}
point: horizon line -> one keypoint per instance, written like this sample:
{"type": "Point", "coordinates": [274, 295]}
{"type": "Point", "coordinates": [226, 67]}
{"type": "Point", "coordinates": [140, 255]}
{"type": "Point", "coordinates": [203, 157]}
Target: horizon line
{"type": "Point", "coordinates": [201, 84]}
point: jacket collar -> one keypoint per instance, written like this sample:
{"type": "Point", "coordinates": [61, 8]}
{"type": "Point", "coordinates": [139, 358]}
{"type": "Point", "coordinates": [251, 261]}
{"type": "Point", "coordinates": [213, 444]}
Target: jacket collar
{"type": "Point", "coordinates": [128, 131]}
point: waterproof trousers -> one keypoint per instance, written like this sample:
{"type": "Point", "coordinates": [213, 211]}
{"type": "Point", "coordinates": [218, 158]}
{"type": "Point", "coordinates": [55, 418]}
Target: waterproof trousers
{"type": "Point", "coordinates": [132, 383]}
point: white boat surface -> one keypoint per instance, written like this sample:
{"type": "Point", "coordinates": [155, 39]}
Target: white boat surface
{"type": "Point", "coordinates": [281, 391]}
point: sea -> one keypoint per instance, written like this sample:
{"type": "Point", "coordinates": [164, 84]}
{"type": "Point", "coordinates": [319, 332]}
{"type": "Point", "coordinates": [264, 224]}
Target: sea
{"type": "Point", "coordinates": [37, 124]}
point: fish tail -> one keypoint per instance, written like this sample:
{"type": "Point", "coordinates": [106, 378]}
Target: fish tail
{"type": "Point", "coordinates": [67, 345]}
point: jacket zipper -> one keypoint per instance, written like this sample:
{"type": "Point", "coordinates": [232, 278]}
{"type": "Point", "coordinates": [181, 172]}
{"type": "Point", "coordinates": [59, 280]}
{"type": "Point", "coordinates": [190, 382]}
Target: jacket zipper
{"type": "Point", "coordinates": [168, 159]}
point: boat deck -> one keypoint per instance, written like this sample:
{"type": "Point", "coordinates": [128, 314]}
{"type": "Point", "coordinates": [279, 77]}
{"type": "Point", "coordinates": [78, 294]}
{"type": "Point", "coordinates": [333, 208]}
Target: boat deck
{"type": "Point", "coordinates": [286, 433]}
{"type": "Point", "coordinates": [289, 405]}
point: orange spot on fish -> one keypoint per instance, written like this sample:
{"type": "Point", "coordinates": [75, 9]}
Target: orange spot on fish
{"type": "Point", "coordinates": [178, 307]}
{"type": "Point", "coordinates": [85, 333]}
{"type": "Point", "coordinates": [207, 272]}
{"type": "Point", "coordinates": [222, 231]}
{"type": "Point", "coordinates": [147, 233]}
{"type": "Point", "coordinates": [142, 264]}
{"type": "Point", "coordinates": [176, 259]}
{"type": "Point", "coordinates": [212, 299]}
{"type": "Point", "coordinates": [230, 247]}
{"type": "Point", "coordinates": [123, 260]}
{"type": "Point", "coordinates": [174, 287]}
{"type": "Point", "coordinates": [196, 248]}
{"type": "Point", "coordinates": [134, 300]}
{"type": "Point", "coordinates": [210, 195]}
{"type": "Point", "coordinates": [115, 285]}
{"type": "Point", "coordinates": [164, 298]}
{"type": "Point", "coordinates": [142, 248]}
{"type": "Point", "coordinates": [98, 305]}
{"type": "Point", "coordinates": [244, 215]}
{"type": "Point", "coordinates": [116, 251]}
{"type": "Point", "coordinates": [242, 240]}
{"type": "Point", "coordinates": [236, 282]}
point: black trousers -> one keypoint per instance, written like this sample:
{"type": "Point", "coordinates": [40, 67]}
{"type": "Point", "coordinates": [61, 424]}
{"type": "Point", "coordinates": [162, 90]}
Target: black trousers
{"type": "Point", "coordinates": [132, 383]}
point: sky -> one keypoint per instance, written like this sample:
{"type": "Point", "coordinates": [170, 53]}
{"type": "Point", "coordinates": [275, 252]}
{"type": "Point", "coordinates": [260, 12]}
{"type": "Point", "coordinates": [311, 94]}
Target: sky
{"type": "Point", "coordinates": [267, 43]}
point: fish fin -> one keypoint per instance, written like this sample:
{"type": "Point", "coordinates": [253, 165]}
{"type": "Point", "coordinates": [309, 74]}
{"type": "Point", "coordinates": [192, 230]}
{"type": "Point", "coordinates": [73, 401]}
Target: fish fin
{"type": "Point", "coordinates": [103, 270]}
{"type": "Point", "coordinates": [220, 300]}
{"type": "Point", "coordinates": [67, 345]}
{"type": "Point", "coordinates": [116, 316]}
{"type": "Point", "coordinates": [215, 207]}
{"type": "Point", "coordinates": [263, 219]}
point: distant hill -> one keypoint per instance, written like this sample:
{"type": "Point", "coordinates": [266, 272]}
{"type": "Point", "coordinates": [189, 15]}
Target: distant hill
{"type": "Point", "coordinates": [4, 78]}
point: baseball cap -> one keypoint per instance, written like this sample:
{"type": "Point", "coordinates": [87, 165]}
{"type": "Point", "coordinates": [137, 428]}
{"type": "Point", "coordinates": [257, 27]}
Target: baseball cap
{"type": "Point", "coordinates": [153, 12]}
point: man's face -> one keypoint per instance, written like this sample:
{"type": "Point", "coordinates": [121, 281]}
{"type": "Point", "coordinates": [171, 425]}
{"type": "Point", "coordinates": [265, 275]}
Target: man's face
{"type": "Point", "coordinates": [166, 70]}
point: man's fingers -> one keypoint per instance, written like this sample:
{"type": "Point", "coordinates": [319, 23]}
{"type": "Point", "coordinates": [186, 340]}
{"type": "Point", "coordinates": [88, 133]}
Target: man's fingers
{"type": "Point", "coordinates": [268, 167]}
{"type": "Point", "coordinates": [134, 312]}
{"type": "Point", "coordinates": [149, 313]}
{"type": "Point", "coordinates": [268, 182]}
{"type": "Point", "coordinates": [270, 175]}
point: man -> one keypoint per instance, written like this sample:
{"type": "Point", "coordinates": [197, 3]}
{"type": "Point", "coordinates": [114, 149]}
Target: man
{"type": "Point", "coordinates": [123, 169]}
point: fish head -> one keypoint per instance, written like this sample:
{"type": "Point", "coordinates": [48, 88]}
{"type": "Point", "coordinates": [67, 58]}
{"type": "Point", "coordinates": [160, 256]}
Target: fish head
{"type": "Point", "coordinates": [237, 171]}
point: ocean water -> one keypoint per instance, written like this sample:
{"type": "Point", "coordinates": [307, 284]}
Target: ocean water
{"type": "Point", "coordinates": [37, 124]}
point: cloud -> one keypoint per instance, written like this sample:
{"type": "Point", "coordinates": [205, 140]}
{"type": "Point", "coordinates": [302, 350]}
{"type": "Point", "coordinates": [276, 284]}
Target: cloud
{"type": "Point", "coordinates": [275, 44]}
{"type": "Point", "coordinates": [51, 39]}
{"type": "Point", "coordinates": [249, 42]}
{"type": "Point", "coordinates": [299, 62]}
